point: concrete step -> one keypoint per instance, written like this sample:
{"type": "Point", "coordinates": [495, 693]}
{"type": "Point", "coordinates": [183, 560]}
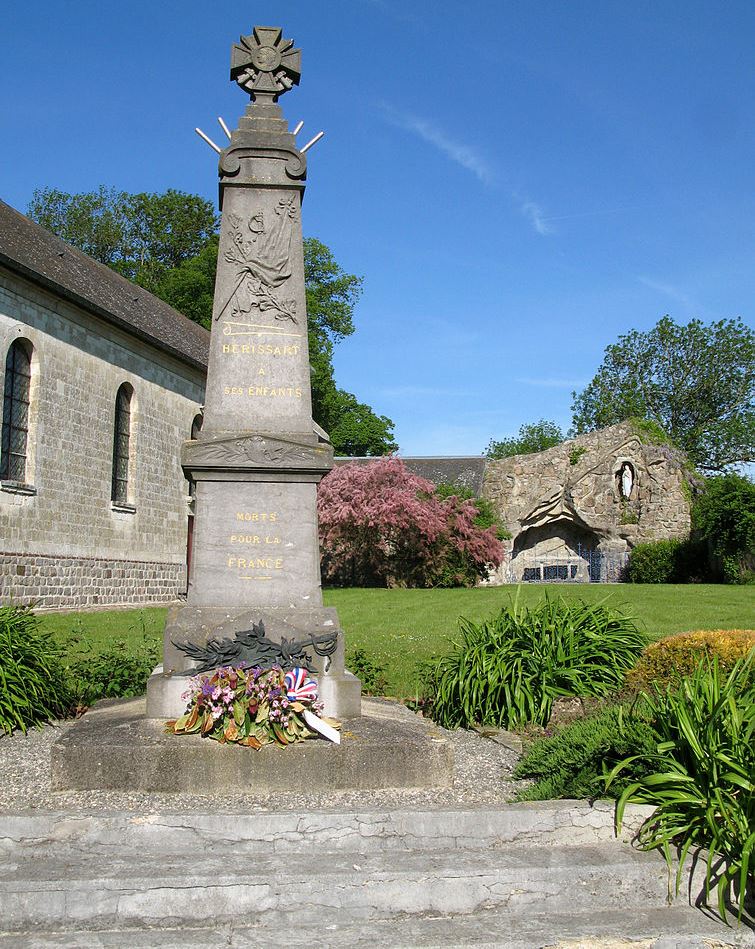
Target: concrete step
{"type": "Point", "coordinates": [563, 823]}
{"type": "Point", "coordinates": [501, 877]}
{"type": "Point", "coordinates": [85, 889]}
{"type": "Point", "coordinates": [666, 928]}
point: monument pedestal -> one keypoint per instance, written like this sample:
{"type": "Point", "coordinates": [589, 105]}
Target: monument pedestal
{"type": "Point", "coordinates": [305, 637]}
{"type": "Point", "coordinates": [116, 747]}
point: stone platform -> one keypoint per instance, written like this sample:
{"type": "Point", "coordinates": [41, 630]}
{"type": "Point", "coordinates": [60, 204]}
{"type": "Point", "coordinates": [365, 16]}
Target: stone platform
{"type": "Point", "coordinates": [116, 747]}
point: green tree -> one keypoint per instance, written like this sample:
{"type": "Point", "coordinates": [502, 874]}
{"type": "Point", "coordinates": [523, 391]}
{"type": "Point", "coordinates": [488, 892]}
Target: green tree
{"type": "Point", "coordinates": [723, 518]}
{"type": "Point", "coordinates": [142, 236]}
{"type": "Point", "coordinates": [354, 429]}
{"type": "Point", "coordinates": [696, 381]}
{"type": "Point", "coordinates": [168, 243]}
{"type": "Point", "coordinates": [190, 286]}
{"type": "Point", "coordinates": [537, 436]}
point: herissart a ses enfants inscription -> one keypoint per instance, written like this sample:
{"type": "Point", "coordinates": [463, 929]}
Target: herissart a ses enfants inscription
{"type": "Point", "coordinates": [259, 456]}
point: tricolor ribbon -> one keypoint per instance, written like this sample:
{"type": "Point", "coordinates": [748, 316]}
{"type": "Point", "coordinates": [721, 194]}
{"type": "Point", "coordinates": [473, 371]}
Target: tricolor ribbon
{"type": "Point", "coordinates": [301, 689]}
{"type": "Point", "coordinates": [298, 687]}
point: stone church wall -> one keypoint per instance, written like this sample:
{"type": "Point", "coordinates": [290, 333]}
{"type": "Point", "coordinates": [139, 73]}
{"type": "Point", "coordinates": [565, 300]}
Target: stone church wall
{"type": "Point", "coordinates": [62, 542]}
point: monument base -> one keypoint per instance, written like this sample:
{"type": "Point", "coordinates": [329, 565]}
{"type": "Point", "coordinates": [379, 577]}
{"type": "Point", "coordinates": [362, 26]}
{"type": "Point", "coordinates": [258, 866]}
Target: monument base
{"type": "Point", "coordinates": [215, 629]}
{"type": "Point", "coordinates": [116, 747]}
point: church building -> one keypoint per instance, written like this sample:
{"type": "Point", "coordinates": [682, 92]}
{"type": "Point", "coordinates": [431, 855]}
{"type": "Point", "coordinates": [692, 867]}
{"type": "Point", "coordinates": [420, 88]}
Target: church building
{"type": "Point", "coordinates": [102, 383]}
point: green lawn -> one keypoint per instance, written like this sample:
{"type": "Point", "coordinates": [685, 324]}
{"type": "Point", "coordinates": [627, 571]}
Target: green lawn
{"type": "Point", "coordinates": [399, 627]}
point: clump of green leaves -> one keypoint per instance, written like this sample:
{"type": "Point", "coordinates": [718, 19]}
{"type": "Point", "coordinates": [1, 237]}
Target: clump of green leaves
{"type": "Point", "coordinates": [368, 670]}
{"type": "Point", "coordinates": [663, 561]}
{"type": "Point", "coordinates": [534, 437]}
{"type": "Point", "coordinates": [119, 672]}
{"type": "Point", "coordinates": [33, 689]}
{"type": "Point", "coordinates": [703, 777]}
{"type": "Point", "coordinates": [576, 453]}
{"type": "Point", "coordinates": [723, 519]}
{"type": "Point", "coordinates": [573, 763]}
{"type": "Point", "coordinates": [506, 671]}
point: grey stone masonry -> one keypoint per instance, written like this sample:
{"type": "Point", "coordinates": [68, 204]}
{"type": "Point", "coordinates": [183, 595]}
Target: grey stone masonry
{"type": "Point", "coordinates": [61, 523]}
{"type": "Point", "coordinates": [605, 491]}
{"type": "Point", "coordinates": [54, 583]}
{"type": "Point", "coordinates": [258, 458]}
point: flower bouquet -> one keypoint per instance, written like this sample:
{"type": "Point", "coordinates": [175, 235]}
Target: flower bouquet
{"type": "Point", "coordinates": [253, 707]}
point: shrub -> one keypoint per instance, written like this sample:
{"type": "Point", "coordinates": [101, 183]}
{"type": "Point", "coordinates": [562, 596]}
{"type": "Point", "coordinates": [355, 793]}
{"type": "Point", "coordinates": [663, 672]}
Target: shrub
{"type": "Point", "coordinates": [507, 671]}
{"type": "Point", "coordinates": [369, 672]}
{"type": "Point", "coordinates": [458, 568]}
{"type": "Point", "coordinates": [573, 763]}
{"type": "Point", "coordinates": [670, 660]}
{"type": "Point", "coordinates": [32, 685]}
{"type": "Point", "coordinates": [703, 780]}
{"type": "Point", "coordinates": [381, 525]}
{"type": "Point", "coordinates": [117, 673]}
{"type": "Point", "coordinates": [661, 561]}
{"type": "Point", "coordinates": [723, 518]}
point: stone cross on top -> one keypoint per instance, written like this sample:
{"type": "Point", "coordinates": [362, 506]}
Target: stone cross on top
{"type": "Point", "coordinates": [265, 64]}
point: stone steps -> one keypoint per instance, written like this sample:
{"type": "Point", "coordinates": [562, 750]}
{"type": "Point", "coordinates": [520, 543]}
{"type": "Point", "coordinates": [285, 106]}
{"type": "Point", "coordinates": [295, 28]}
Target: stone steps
{"type": "Point", "coordinates": [524, 875]}
{"type": "Point", "coordinates": [668, 928]}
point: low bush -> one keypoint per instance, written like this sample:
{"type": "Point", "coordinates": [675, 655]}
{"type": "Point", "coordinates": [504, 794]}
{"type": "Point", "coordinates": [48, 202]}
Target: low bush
{"type": "Point", "coordinates": [668, 661]}
{"type": "Point", "coordinates": [33, 689]}
{"type": "Point", "coordinates": [507, 671]}
{"type": "Point", "coordinates": [703, 776]}
{"type": "Point", "coordinates": [665, 561]}
{"type": "Point", "coordinates": [369, 672]}
{"type": "Point", "coordinates": [119, 672]}
{"type": "Point", "coordinates": [574, 762]}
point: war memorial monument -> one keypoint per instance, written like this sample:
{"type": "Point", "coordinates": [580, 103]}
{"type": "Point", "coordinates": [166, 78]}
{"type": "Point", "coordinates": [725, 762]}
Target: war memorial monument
{"type": "Point", "coordinates": [254, 592]}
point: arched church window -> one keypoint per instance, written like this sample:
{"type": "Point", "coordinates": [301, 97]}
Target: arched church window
{"type": "Point", "coordinates": [16, 398]}
{"type": "Point", "coordinates": [121, 444]}
{"type": "Point", "coordinates": [196, 428]}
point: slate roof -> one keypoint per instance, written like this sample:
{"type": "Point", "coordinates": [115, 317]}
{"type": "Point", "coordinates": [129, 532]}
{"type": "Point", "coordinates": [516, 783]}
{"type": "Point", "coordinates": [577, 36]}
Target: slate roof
{"type": "Point", "coordinates": [465, 471]}
{"type": "Point", "coordinates": [40, 256]}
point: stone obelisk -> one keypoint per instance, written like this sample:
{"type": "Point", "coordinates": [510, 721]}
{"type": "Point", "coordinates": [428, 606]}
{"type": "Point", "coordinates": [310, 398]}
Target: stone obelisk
{"type": "Point", "coordinates": [254, 587]}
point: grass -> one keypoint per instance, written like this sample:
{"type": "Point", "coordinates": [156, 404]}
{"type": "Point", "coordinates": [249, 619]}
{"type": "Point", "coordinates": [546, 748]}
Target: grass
{"type": "Point", "coordinates": [96, 631]}
{"type": "Point", "coordinates": [399, 627]}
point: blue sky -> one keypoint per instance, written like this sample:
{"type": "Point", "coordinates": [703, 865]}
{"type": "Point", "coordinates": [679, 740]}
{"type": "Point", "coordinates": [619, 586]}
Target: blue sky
{"type": "Point", "coordinates": [518, 182]}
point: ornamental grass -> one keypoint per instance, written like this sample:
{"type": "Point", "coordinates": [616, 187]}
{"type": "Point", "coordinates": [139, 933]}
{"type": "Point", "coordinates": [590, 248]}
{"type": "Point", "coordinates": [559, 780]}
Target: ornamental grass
{"type": "Point", "coordinates": [507, 670]}
{"type": "Point", "coordinates": [703, 777]}
{"type": "Point", "coordinates": [33, 689]}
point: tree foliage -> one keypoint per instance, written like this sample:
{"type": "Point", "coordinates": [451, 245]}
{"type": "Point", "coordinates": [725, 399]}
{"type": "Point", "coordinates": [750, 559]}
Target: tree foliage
{"type": "Point", "coordinates": [696, 381]}
{"type": "Point", "coordinates": [537, 436]}
{"type": "Point", "coordinates": [142, 236]}
{"type": "Point", "coordinates": [382, 525]}
{"type": "Point", "coordinates": [168, 244]}
{"type": "Point", "coordinates": [723, 517]}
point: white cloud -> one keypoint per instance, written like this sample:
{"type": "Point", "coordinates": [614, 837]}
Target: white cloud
{"type": "Point", "coordinates": [462, 154]}
{"type": "Point", "coordinates": [669, 290]}
{"type": "Point", "coordinates": [534, 214]}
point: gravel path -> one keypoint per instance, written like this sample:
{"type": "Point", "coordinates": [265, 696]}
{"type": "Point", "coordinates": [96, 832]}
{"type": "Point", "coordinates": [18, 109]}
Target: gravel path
{"type": "Point", "coordinates": [482, 777]}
